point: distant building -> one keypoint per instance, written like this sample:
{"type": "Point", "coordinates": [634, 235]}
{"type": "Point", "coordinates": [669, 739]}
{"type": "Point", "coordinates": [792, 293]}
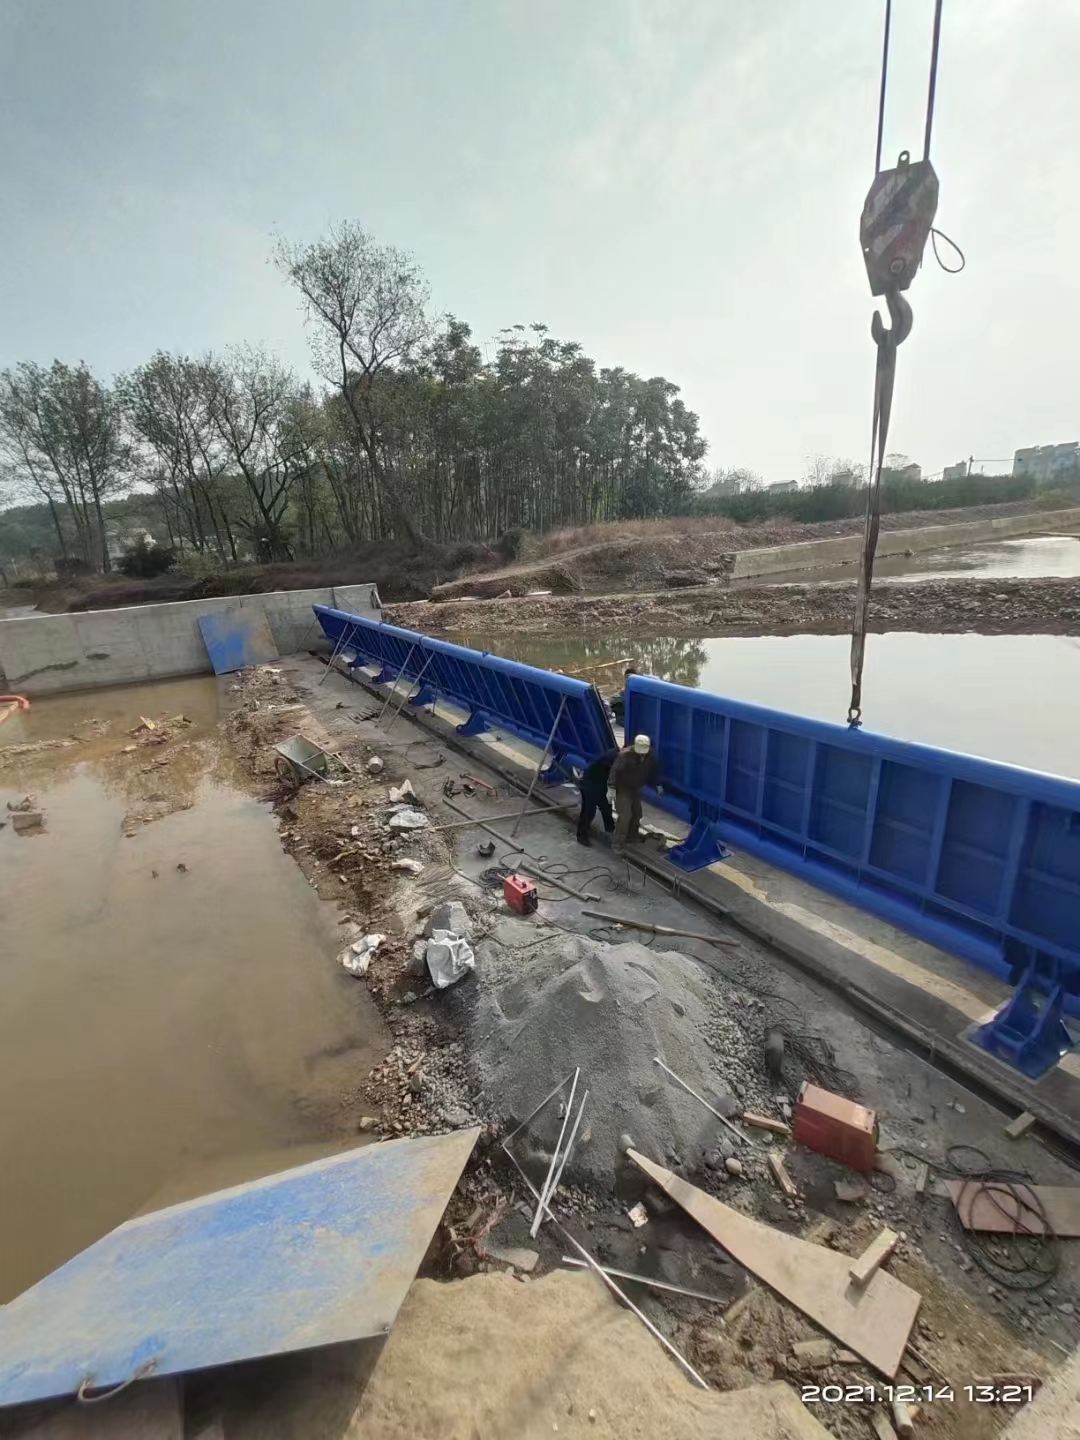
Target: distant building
{"type": "Point", "coordinates": [850, 478]}
{"type": "Point", "coordinates": [781, 486]}
{"type": "Point", "coordinates": [911, 472]}
{"type": "Point", "coordinates": [1044, 463]}
{"type": "Point", "coordinates": [955, 472]}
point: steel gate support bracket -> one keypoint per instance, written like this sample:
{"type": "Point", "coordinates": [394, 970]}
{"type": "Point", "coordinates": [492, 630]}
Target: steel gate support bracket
{"type": "Point", "coordinates": [424, 696]}
{"type": "Point", "coordinates": [701, 847]}
{"type": "Point", "coordinates": [476, 724]}
{"type": "Point", "coordinates": [1029, 1030]}
{"type": "Point", "coordinates": [386, 674]}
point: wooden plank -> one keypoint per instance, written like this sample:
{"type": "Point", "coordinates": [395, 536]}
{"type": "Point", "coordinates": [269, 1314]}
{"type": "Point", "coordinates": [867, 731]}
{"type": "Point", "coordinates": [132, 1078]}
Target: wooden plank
{"type": "Point", "coordinates": [765, 1122]}
{"type": "Point", "coordinates": [874, 1256]}
{"type": "Point", "coordinates": [782, 1178]}
{"type": "Point", "coordinates": [1006, 1207]}
{"type": "Point", "coordinates": [1022, 1123]}
{"type": "Point", "coordinates": [874, 1320]}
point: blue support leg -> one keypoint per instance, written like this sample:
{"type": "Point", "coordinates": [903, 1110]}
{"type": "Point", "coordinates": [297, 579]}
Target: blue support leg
{"type": "Point", "coordinates": [476, 724]}
{"type": "Point", "coordinates": [385, 676]}
{"type": "Point", "coordinates": [424, 696]}
{"type": "Point", "coordinates": [555, 771]}
{"type": "Point", "coordinates": [1029, 1030]}
{"type": "Point", "coordinates": [701, 847]}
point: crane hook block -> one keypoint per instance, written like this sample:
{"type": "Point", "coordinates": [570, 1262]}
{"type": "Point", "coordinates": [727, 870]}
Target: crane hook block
{"type": "Point", "coordinates": [896, 222]}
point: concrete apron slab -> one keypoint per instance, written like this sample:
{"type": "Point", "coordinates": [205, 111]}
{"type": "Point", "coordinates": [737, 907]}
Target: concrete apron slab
{"type": "Point", "coordinates": [928, 997]}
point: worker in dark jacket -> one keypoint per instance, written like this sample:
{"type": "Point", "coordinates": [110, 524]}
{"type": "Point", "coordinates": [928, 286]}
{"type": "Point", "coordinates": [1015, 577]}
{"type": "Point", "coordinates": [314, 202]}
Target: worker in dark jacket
{"type": "Point", "coordinates": [594, 787]}
{"type": "Point", "coordinates": [635, 767]}
{"type": "Point", "coordinates": [617, 703]}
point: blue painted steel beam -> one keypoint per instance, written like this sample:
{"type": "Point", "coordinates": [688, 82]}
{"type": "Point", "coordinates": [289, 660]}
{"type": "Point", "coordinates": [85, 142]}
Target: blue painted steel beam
{"type": "Point", "coordinates": [977, 858]}
{"type": "Point", "coordinates": [518, 698]}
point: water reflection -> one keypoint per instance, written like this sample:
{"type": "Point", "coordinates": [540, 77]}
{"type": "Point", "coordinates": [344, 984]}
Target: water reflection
{"type": "Point", "coordinates": [1007, 697]}
{"type": "Point", "coordinates": [598, 659]}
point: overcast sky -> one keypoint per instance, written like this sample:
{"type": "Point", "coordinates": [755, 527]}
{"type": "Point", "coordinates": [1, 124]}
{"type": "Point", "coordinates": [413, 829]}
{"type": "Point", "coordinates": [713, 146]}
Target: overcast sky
{"type": "Point", "coordinates": [675, 184]}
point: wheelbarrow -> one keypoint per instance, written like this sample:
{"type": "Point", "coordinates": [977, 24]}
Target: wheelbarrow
{"type": "Point", "coordinates": [299, 760]}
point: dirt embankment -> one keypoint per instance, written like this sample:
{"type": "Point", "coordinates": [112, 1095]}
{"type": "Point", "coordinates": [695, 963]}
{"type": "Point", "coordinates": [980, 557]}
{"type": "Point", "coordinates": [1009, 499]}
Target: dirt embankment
{"type": "Point", "coordinates": [942, 607]}
{"type": "Point", "coordinates": [682, 551]}
{"type": "Point", "coordinates": [402, 571]}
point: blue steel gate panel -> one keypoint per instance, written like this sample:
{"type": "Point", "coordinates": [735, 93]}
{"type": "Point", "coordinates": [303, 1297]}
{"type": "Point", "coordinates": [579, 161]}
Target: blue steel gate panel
{"type": "Point", "coordinates": [520, 698]}
{"type": "Point", "coordinates": [315, 1255]}
{"type": "Point", "coordinates": [978, 858]}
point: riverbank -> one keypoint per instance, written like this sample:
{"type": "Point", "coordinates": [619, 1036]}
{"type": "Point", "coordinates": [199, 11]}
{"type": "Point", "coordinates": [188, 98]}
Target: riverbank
{"type": "Point", "coordinates": [945, 607]}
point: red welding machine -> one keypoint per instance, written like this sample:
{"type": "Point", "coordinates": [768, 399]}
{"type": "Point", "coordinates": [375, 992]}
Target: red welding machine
{"type": "Point", "coordinates": [520, 894]}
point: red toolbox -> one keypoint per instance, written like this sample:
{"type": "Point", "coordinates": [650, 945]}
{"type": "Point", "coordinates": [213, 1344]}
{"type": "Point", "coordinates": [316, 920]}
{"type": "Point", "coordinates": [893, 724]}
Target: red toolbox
{"type": "Point", "coordinates": [835, 1127]}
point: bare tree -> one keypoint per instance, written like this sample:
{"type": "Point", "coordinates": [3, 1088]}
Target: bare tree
{"type": "Point", "coordinates": [168, 408]}
{"type": "Point", "coordinates": [257, 410]}
{"type": "Point", "coordinates": [61, 431]}
{"type": "Point", "coordinates": [368, 304]}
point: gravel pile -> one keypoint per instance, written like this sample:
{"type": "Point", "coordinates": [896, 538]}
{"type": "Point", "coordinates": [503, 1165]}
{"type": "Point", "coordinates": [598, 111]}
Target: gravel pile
{"type": "Point", "coordinates": [609, 1009]}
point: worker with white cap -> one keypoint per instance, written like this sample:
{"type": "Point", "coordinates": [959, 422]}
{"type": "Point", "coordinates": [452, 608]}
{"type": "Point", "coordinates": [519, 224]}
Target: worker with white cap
{"type": "Point", "coordinates": [635, 767]}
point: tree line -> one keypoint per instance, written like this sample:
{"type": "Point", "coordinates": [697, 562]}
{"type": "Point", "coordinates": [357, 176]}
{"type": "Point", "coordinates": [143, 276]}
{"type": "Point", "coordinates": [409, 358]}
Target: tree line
{"type": "Point", "coordinates": [409, 431]}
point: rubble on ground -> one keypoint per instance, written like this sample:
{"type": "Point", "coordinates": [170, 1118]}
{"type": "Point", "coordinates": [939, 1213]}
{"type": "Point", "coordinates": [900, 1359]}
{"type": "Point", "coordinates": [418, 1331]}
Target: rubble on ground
{"type": "Point", "coordinates": [942, 607]}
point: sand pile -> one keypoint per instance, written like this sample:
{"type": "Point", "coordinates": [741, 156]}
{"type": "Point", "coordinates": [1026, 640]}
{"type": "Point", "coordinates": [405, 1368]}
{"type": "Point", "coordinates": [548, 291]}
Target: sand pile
{"type": "Point", "coordinates": [608, 1009]}
{"type": "Point", "coordinates": [489, 1357]}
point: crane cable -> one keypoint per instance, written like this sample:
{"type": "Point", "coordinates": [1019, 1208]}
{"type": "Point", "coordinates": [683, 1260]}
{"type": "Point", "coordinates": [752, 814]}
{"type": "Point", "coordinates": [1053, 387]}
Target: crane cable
{"type": "Point", "coordinates": [901, 273]}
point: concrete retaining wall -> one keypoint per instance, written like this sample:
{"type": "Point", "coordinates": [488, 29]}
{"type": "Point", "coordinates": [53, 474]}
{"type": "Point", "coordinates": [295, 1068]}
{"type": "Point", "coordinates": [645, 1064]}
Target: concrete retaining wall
{"type": "Point", "coordinates": [43, 654]}
{"type": "Point", "coordinates": [812, 554]}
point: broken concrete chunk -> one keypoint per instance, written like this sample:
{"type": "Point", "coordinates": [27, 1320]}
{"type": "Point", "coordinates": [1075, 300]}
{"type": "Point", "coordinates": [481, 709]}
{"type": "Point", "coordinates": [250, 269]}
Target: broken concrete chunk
{"type": "Point", "coordinates": [449, 915]}
{"type": "Point", "coordinates": [850, 1191]}
{"type": "Point", "coordinates": [368, 1122]}
{"type": "Point", "coordinates": [416, 965]}
{"type": "Point", "coordinates": [814, 1352]}
{"type": "Point", "coordinates": [638, 1216]}
{"type": "Point", "coordinates": [733, 1166]}
{"type": "Point", "coordinates": [408, 820]}
{"type": "Point", "coordinates": [25, 822]}
{"type": "Point", "coordinates": [519, 1256]}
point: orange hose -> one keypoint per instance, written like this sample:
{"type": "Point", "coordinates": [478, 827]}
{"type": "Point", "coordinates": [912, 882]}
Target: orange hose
{"type": "Point", "coordinates": [12, 703]}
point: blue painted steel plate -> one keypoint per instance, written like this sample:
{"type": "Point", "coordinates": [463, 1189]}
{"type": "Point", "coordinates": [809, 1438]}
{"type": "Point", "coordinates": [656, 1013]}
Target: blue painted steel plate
{"type": "Point", "coordinates": [314, 1255]}
{"type": "Point", "coordinates": [519, 698]}
{"type": "Point", "coordinates": [235, 639]}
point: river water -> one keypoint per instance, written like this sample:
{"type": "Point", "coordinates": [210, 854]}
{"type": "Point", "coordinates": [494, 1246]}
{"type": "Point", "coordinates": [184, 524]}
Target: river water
{"type": "Point", "coordinates": [1031, 557]}
{"type": "Point", "coordinates": [1006, 697]}
{"type": "Point", "coordinates": [155, 1020]}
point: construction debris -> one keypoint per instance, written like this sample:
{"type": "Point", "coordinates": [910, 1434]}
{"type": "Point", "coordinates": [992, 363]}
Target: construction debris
{"type": "Point", "coordinates": [783, 1179]}
{"type": "Point", "coordinates": [1014, 1207]}
{"type": "Point", "coordinates": [875, 1255]}
{"type": "Point", "coordinates": [357, 957]}
{"type": "Point", "coordinates": [638, 1216]}
{"type": "Point", "coordinates": [763, 1122]}
{"type": "Point", "coordinates": [875, 1321]}
{"type": "Point", "coordinates": [814, 1353]}
{"type": "Point", "coordinates": [835, 1127]}
{"type": "Point", "coordinates": [1020, 1126]}
{"type": "Point", "coordinates": [849, 1191]}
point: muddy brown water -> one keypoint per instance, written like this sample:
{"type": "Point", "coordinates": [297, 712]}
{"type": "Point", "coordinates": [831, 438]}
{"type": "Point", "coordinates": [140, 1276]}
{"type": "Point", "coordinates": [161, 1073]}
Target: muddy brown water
{"type": "Point", "coordinates": [1012, 698]}
{"type": "Point", "coordinates": [154, 1029]}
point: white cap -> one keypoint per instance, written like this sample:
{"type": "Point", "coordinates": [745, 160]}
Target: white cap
{"type": "Point", "coordinates": [642, 744]}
